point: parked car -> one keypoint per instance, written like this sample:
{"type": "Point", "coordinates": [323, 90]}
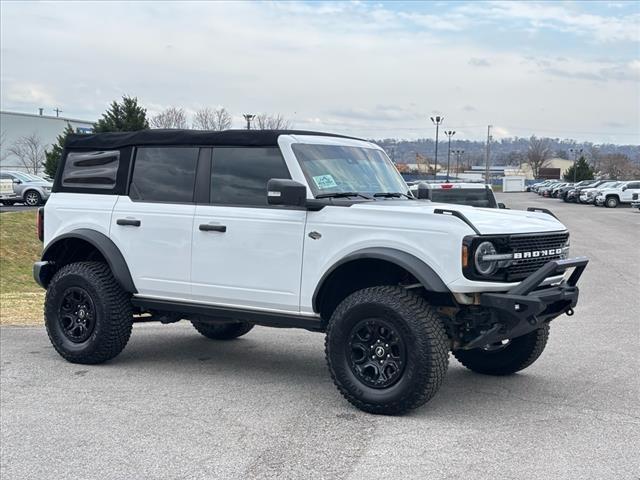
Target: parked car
{"type": "Point", "coordinates": [622, 192]}
{"type": "Point", "coordinates": [29, 189]}
{"type": "Point", "coordinates": [635, 201]}
{"type": "Point", "coordinates": [556, 189]}
{"type": "Point", "coordinates": [295, 229]}
{"type": "Point", "coordinates": [564, 191]}
{"type": "Point", "coordinates": [574, 194]}
{"type": "Point", "coordinates": [534, 186]}
{"type": "Point", "coordinates": [588, 195]}
{"type": "Point", "coordinates": [545, 191]}
{"type": "Point", "coordinates": [472, 194]}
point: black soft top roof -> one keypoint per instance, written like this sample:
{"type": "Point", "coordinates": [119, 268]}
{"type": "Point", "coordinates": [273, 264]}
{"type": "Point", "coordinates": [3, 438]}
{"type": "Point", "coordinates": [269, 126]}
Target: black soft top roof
{"type": "Point", "coordinates": [237, 138]}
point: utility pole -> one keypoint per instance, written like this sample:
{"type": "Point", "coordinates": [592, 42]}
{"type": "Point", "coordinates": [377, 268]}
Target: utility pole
{"type": "Point", "coordinates": [575, 152]}
{"type": "Point", "coordinates": [248, 117]}
{"type": "Point", "coordinates": [449, 133]}
{"type": "Point", "coordinates": [486, 163]}
{"type": "Point", "coordinates": [458, 154]}
{"type": "Point", "coordinates": [58, 111]}
{"type": "Point", "coordinates": [437, 120]}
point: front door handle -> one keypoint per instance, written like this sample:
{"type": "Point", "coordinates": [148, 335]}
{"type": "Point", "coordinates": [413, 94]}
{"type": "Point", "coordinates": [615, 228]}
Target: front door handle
{"type": "Point", "coordinates": [128, 222]}
{"type": "Point", "coordinates": [207, 227]}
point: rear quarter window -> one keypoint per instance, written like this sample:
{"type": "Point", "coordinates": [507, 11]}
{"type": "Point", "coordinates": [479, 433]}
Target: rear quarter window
{"type": "Point", "coordinates": [94, 170]}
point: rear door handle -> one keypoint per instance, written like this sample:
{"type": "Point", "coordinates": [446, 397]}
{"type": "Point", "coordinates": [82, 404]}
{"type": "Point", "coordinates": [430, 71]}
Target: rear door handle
{"type": "Point", "coordinates": [128, 222]}
{"type": "Point", "coordinates": [207, 227]}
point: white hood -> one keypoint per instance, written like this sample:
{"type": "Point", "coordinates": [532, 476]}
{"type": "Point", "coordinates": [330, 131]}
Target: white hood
{"type": "Point", "coordinates": [488, 221]}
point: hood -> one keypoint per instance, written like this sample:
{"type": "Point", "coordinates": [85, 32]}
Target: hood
{"type": "Point", "coordinates": [39, 183]}
{"type": "Point", "coordinates": [489, 221]}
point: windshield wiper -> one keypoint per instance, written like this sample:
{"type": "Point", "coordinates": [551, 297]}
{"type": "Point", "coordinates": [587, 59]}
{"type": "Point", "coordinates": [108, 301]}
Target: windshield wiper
{"type": "Point", "coordinates": [342, 195]}
{"type": "Point", "coordinates": [392, 195]}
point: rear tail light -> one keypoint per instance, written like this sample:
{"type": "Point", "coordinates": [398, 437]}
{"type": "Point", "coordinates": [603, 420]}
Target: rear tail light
{"type": "Point", "coordinates": [40, 223]}
{"type": "Point", "coordinates": [446, 185]}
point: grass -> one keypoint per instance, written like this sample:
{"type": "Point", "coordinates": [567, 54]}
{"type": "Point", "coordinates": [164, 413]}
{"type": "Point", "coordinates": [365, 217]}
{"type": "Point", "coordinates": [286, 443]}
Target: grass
{"type": "Point", "coordinates": [21, 299]}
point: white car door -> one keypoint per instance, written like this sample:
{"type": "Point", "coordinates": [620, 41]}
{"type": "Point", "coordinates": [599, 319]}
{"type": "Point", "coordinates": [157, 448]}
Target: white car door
{"type": "Point", "coordinates": [152, 226]}
{"type": "Point", "coordinates": [246, 254]}
{"type": "Point", "coordinates": [627, 194]}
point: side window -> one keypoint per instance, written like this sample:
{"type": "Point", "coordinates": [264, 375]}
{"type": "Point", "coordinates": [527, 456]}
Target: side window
{"type": "Point", "coordinates": [97, 169]}
{"type": "Point", "coordinates": [633, 185]}
{"type": "Point", "coordinates": [239, 175]}
{"type": "Point", "coordinates": [164, 174]}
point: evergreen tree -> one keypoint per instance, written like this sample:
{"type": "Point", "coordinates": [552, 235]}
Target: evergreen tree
{"type": "Point", "coordinates": [127, 116]}
{"type": "Point", "coordinates": [582, 171]}
{"type": "Point", "coordinates": [53, 157]}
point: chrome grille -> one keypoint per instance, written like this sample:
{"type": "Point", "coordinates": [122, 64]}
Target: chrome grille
{"type": "Point", "coordinates": [520, 269]}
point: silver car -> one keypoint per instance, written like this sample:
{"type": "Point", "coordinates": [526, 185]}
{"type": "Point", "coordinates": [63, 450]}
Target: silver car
{"type": "Point", "coordinates": [29, 189]}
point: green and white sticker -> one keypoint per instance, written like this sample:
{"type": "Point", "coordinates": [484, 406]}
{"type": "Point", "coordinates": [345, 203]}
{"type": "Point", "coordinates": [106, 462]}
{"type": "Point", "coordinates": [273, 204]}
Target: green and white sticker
{"type": "Point", "coordinates": [325, 181]}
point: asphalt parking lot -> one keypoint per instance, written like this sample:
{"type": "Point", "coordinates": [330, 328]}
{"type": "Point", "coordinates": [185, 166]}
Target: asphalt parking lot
{"type": "Point", "coordinates": [16, 208]}
{"type": "Point", "coordinates": [176, 405]}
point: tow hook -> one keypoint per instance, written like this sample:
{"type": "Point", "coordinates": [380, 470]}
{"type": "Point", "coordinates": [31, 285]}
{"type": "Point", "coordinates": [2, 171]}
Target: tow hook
{"type": "Point", "coordinates": [569, 312]}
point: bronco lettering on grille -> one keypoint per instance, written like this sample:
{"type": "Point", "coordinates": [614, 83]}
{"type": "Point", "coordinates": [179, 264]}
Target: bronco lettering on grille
{"type": "Point", "coordinates": [537, 253]}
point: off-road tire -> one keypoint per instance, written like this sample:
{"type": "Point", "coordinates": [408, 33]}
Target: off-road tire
{"type": "Point", "coordinates": [222, 331]}
{"type": "Point", "coordinates": [611, 202]}
{"type": "Point", "coordinates": [426, 347]}
{"type": "Point", "coordinates": [113, 313]}
{"type": "Point", "coordinates": [517, 355]}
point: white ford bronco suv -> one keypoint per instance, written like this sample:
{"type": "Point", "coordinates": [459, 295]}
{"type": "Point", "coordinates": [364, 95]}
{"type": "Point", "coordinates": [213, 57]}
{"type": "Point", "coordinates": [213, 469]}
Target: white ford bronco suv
{"type": "Point", "coordinates": [295, 229]}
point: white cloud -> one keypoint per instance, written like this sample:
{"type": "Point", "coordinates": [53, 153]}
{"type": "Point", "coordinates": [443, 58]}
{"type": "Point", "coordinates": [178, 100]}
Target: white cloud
{"type": "Point", "coordinates": [359, 68]}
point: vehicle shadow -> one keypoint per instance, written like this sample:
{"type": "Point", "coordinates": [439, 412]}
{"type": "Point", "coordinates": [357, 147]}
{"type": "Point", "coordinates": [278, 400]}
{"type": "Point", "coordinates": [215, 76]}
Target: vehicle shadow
{"type": "Point", "coordinates": [301, 367]}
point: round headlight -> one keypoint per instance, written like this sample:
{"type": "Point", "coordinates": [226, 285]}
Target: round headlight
{"type": "Point", "coordinates": [485, 267]}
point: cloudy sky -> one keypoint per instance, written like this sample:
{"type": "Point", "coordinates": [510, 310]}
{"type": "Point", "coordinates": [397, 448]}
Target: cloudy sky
{"type": "Point", "coordinates": [373, 69]}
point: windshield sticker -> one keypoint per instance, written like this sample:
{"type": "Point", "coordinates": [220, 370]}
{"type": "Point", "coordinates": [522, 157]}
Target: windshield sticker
{"type": "Point", "coordinates": [325, 181]}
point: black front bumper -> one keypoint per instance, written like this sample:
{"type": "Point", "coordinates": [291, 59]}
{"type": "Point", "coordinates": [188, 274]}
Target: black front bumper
{"type": "Point", "coordinates": [527, 306]}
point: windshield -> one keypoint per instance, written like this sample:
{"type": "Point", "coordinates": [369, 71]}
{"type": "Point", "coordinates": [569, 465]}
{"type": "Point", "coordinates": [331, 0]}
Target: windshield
{"type": "Point", "coordinates": [474, 197]}
{"type": "Point", "coordinates": [335, 169]}
{"type": "Point", "coordinates": [24, 177]}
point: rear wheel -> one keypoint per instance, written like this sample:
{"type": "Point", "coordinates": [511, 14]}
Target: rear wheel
{"type": "Point", "coordinates": [222, 331]}
{"type": "Point", "coordinates": [87, 314]}
{"type": "Point", "coordinates": [387, 350]}
{"type": "Point", "coordinates": [507, 357]}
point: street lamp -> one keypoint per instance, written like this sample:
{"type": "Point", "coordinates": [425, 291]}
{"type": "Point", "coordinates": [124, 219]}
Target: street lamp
{"type": "Point", "coordinates": [458, 154]}
{"type": "Point", "coordinates": [449, 133]}
{"type": "Point", "coordinates": [248, 117]}
{"type": "Point", "coordinates": [575, 152]}
{"type": "Point", "coordinates": [437, 120]}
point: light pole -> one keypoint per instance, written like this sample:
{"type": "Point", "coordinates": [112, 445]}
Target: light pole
{"type": "Point", "coordinates": [248, 117]}
{"type": "Point", "coordinates": [458, 153]}
{"type": "Point", "coordinates": [437, 120]}
{"type": "Point", "coordinates": [449, 133]}
{"type": "Point", "coordinates": [575, 152]}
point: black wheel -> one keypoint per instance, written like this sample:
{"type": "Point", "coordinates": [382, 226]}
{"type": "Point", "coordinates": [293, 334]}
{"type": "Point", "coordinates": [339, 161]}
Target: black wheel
{"type": "Point", "coordinates": [507, 357]}
{"type": "Point", "coordinates": [222, 331]}
{"type": "Point", "coordinates": [32, 198]}
{"type": "Point", "coordinates": [611, 202]}
{"type": "Point", "coordinates": [387, 350]}
{"type": "Point", "coordinates": [87, 314]}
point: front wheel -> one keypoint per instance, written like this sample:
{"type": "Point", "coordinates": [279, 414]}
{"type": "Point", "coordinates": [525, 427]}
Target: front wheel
{"type": "Point", "coordinates": [611, 202]}
{"type": "Point", "coordinates": [386, 349]}
{"type": "Point", "coordinates": [507, 357]}
{"type": "Point", "coordinates": [32, 198]}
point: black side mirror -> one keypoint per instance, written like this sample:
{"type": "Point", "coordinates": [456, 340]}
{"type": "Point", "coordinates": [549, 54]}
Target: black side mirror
{"type": "Point", "coordinates": [424, 192]}
{"type": "Point", "coordinates": [502, 205]}
{"type": "Point", "coordinates": [624, 188]}
{"type": "Point", "coordinates": [17, 181]}
{"type": "Point", "coordinates": [287, 192]}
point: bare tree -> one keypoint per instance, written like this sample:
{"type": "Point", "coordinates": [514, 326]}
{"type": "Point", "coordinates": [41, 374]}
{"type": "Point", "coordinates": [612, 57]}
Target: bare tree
{"type": "Point", "coordinates": [30, 151]}
{"type": "Point", "coordinates": [172, 117]}
{"type": "Point", "coordinates": [618, 166]}
{"type": "Point", "coordinates": [538, 154]}
{"type": "Point", "coordinates": [210, 119]}
{"type": "Point", "coordinates": [4, 152]}
{"type": "Point", "coordinates": [271, 122]}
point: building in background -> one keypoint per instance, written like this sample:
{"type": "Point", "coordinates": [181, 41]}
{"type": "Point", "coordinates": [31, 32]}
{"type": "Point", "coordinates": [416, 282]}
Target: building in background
{"type": "Point", "coordinates": [33, 132]}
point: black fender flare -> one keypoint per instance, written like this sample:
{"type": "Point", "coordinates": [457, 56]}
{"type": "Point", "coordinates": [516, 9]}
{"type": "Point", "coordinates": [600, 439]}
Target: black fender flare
{"type": "Point", "coordinates": [105, 246]}
{"type": "Point", "coordinates": [427, 277]}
